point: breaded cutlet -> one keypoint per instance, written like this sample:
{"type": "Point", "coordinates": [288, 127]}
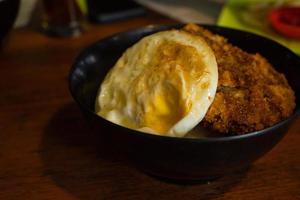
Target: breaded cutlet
{"type": "Point", "coordinates": [251, 94]}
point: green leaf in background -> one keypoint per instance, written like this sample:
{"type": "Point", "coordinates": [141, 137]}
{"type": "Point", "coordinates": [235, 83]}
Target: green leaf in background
{"type": "Point", "coordinates": [251, 16]}
{"type": "Point", "coordinates": [82, 5]}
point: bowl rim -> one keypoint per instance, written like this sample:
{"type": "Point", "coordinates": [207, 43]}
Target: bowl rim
{"type": "Point", "coordinates": [158, 27]}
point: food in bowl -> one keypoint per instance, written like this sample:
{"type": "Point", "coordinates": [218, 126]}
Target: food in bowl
{"type": "Point", "coordinates": [200, 158]}
{"type": "Point", "coordinates": [168, 82]}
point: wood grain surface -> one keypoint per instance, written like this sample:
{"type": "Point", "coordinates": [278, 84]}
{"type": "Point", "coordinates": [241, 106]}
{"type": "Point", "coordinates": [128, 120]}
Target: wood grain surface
{"type": "Point", "coordinates": [47, 152]}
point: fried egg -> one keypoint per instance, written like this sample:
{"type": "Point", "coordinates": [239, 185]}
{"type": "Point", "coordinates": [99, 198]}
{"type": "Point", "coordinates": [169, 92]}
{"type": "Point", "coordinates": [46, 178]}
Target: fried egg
{"type": "Point", "coordinates": [163, 84]}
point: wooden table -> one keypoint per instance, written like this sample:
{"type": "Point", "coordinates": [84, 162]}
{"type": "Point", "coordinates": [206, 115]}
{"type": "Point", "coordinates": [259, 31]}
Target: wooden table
{"type": "Point", "coordinates": [47, 153]}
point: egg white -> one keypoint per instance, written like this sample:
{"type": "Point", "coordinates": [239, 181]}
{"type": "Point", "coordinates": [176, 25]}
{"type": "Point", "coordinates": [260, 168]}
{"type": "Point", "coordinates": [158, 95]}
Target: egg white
{"type": "Point", "coordinates": [163, 84]}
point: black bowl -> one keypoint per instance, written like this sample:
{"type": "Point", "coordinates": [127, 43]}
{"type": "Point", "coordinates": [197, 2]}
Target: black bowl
{"type": "Point", "coordinates": [180, 158]}
{"type": "Point", "coordinates": [8, 13]}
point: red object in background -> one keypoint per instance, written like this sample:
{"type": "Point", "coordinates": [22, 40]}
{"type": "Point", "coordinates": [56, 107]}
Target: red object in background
{"type": "Point", "coordinates": [286, 20]}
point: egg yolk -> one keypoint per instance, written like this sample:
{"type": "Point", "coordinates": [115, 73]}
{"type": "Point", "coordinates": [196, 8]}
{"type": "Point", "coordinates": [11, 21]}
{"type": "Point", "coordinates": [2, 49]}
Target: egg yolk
{"type": "Point", "coordinates": [163, 88]}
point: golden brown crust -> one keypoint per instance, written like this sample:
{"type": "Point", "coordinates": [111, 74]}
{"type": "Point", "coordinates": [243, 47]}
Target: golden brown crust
{"type": "Point", "coordinates": [251, 94]}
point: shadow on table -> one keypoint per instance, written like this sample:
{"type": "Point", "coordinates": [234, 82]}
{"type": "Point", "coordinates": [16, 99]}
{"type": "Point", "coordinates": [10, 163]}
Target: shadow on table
{"type": "Point", "coordinates": [88, 168]}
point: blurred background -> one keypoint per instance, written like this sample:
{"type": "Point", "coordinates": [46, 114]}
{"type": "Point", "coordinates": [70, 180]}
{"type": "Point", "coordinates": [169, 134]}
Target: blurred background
{"type": "Point", "coordinates": [65, 18]}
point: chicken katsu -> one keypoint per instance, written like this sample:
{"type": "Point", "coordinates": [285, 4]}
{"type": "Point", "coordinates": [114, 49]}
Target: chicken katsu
{"type": "Point", "coordinates": [251, 95]}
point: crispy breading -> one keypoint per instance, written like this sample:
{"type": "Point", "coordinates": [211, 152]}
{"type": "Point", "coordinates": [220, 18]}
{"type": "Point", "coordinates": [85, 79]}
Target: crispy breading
{"type": "Point", "coordinates": [251, 94]}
